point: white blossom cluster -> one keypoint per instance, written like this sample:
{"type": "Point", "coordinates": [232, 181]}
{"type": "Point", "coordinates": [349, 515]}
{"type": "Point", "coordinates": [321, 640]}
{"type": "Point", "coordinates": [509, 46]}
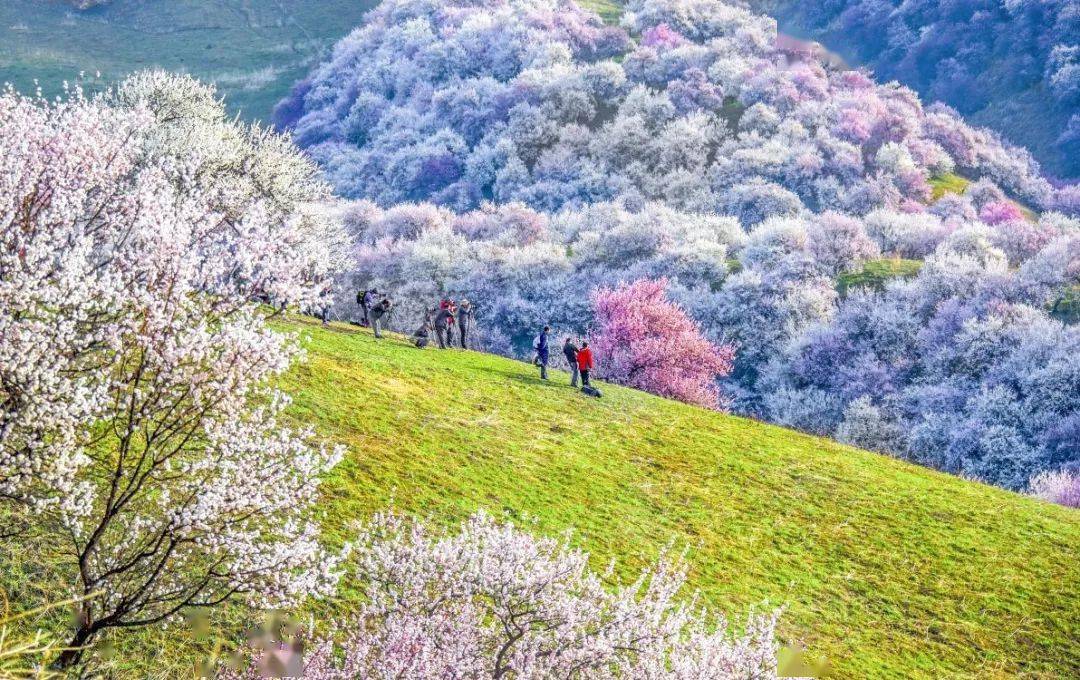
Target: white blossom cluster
{"type": "Point", "coordinates": [695, 103]}
{"type": "Point", "coordinates": [140, 234]}
{"type": "Point", "coordinates": [494, 601]}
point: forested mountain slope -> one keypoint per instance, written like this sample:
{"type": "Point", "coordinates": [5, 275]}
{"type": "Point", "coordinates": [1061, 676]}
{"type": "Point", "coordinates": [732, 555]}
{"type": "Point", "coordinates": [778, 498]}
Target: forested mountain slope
{"type": "Point", "coordinates": [1012, 66]}
{"type": "Point", "coordinates": [523, 154]}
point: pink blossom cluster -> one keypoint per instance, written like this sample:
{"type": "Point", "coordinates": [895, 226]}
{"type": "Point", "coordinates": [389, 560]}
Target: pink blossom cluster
{"type": "Point", "coordinates": [647, 342]}
{"type": "Point", "coordinates": [494, 601]}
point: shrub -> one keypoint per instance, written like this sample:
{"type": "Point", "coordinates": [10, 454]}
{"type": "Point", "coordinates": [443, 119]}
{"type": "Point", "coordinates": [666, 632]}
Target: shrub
{"type": "Point", "coordinates": [493, 601]}
{"type": "Point", "coordinates": [1057, 487]}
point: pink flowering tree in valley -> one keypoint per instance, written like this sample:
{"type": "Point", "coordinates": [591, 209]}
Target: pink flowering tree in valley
{"type": "Point", "coordinates": [493, 601]}
{"type": "Point", "coordinates": [645, 341]}
{"type": "Point", "coordinates": [138, 434]}
{"type": "Point", "coordinates": [999, 212]}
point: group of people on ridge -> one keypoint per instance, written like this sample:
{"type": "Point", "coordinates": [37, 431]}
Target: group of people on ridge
{"type": "Point", "coordinates": [579, 359]}
{"type": "Point", "coordinates": [448, 315]}
{"type": "Point", "coordinates": [442, 320]}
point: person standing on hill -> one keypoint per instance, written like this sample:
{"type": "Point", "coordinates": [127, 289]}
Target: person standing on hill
{"type": "Point", "coordinates": [585, 364]}
{"type": "Point", "coordinates": [442, 325]}
{"type": "Point", "coordinates": [464, 321]}
{"type": "Point", "coordinates": [570, 351]}
{"type": "Point", "coordinates": [542, 353]}
{"type": "Point", "coordinates": [367, 299]}
{"type": "Point", "coordinates": [378, 313]}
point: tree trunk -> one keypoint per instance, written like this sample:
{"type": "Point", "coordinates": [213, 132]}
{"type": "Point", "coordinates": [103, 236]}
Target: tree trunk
{"type": "Point", "coordinates": [74, 651]}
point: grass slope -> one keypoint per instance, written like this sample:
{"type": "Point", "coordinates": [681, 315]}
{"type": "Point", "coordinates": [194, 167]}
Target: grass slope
{"type": "Point", "coordinates": [948, 183]}
{"type": "Point", "coordinates": [877, 273]}
{"type": "Point", "coordinates": [609, 10]}
{"type": "Point", "coordinates": [254, 50]}
{"type": "Point", "coordinates": [887, 569]}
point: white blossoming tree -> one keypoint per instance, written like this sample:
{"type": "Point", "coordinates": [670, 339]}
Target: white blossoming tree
{"type": "Point", "coordinates": [136, 424]}
{"type": "Point", "coordinates": [493, 601]}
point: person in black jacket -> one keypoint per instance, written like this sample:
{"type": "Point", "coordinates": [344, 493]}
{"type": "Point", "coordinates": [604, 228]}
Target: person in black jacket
{"type": "Point", "coordinates": [423, 334]}
{"type": "Point", "coordinates": [366, 298]}
{"type": "Point", "coordinates": [442, 326]}
{"type": "Point", "coordinates": [570, 350]}
{"type": "Point", "coordinates": [542, 349]}
{"type": "Point", "coordinates": [378, 313]}
{"type": "Point", "coordinates": [464, 321]}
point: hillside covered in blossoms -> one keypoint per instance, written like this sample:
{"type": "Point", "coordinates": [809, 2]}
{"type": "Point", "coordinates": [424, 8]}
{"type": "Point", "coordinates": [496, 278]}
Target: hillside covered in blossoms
{"type": "Point", "coordinates": [803, 398]}
{"type": "Point", "coordinates": [1013, 66]}
{"type": "Point", "coordinates": [523, 154]}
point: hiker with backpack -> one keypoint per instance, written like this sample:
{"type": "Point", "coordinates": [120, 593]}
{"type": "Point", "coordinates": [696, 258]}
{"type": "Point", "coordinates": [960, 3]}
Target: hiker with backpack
{"type": "Point", "coordinates": [541, 347]}
{"type": "Point", "coordinates": [585, 365]}
{"type": "Point", "coordinates": [570, 351]}
{"type": "Point", "coordinates": [366, 299]}
{"type": "Point", "coordinates": [464, 321]}
{"type": "Point", "coordinates": [379, 312]}
{"type": "Point", "coordinates": [442, 325]}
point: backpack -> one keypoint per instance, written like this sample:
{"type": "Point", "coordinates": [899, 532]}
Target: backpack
{"type": "Point", "coordinates": [590, 391]}
{"type": "Point", "coordinates": [360, 295]}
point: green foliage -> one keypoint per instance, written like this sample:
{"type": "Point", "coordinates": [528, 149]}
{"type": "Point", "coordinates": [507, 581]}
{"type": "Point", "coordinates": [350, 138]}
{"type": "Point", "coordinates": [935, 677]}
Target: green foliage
{"type": "Point", "coordinates": [948, 183]}
{"type": "Point", "coordinates": [609, 10]}
{"type": "Point", "coordinates": [1067, 307]}
{"type": "Point", "coordinates": [877, 273]}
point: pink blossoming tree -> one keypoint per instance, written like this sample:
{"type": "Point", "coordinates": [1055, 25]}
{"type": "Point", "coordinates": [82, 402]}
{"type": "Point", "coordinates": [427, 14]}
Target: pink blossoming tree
{"type": "Point", "coordinates": [645, 341]}
{"type": "Point", "coordinates": [493, 601]}
{"type": "Point", "coordinates": [999, 212]}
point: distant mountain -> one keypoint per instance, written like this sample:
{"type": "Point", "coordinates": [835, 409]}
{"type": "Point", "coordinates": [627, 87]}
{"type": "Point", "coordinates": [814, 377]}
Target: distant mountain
{"type": "Point", "coordinates": [1011, 65]}
{"type": "Point", "coordinates": [252, 49]}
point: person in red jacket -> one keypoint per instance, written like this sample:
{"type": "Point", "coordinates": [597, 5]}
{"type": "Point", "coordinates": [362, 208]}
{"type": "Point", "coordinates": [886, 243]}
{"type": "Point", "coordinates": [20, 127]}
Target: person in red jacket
{"type": "Point", "coordinates": [585, 363]}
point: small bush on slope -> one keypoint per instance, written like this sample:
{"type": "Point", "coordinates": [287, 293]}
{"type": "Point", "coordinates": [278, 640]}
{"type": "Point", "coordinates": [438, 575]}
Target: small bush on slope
{"type": "Point", "coordinates": [1058, 487]}
{"type": "Point", "coordinates": [493, 601]}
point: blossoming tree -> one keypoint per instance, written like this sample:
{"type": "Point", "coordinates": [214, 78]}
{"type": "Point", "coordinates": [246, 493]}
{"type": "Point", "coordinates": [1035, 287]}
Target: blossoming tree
{"type": "Point", "coordinates": [1061, 486]}
{"type": "Point", "coordinates": [136, 426]}
{"type": "Point", "coordinates": [645, 341]}
{"type": "Point", "coordinates": [493, 601]}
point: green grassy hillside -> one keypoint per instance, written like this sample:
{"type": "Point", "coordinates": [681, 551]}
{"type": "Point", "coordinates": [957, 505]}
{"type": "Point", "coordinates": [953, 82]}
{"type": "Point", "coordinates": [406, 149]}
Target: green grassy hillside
{"type": "Point", "coordinates": [254, 50]}
{"type": "Point", "coordinates": [887, 569]}
{"type": "Point", "coordinates": [876, 274]}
